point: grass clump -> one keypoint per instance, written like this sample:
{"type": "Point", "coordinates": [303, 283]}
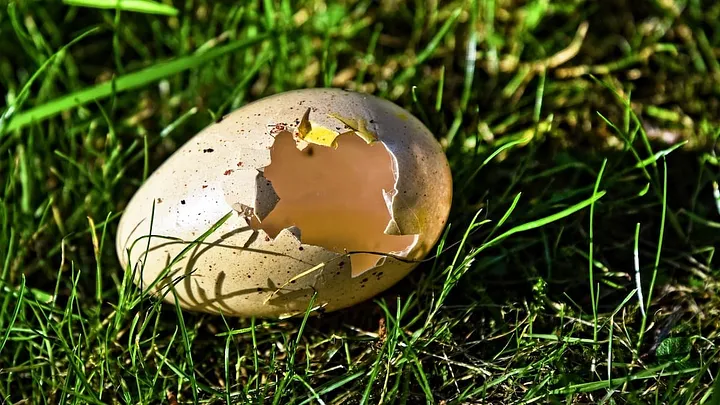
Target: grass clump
{"type": "Point", "coordinates": [579, 266]}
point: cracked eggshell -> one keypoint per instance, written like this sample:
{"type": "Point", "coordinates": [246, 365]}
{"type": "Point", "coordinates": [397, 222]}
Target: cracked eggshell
{"type": "Point", "coordinates": [239, 271]}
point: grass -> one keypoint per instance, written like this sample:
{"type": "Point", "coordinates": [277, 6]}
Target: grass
{"type": "Point", "coordinates": [579, 265]}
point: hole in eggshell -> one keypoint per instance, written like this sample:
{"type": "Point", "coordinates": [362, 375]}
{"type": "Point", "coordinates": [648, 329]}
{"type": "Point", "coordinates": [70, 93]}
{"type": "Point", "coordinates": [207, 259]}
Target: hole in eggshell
{"type": "Point", "coordinates": [336, 197]}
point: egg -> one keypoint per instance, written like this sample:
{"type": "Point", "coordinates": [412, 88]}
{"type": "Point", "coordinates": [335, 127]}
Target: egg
{"type": "Point", "coordinates": [315, 192]}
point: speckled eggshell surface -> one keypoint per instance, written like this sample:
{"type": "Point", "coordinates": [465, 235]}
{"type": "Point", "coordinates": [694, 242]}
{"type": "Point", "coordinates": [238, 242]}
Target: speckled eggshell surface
{"type": "Point", "coordinates": [239, 271]}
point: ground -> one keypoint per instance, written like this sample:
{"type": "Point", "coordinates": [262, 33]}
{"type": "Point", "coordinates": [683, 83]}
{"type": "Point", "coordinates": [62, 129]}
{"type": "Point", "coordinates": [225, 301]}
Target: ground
{"type": "Point", "coordinates": [578, 266]}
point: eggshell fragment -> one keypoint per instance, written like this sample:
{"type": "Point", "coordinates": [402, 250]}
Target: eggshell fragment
{"type": "Point", "coordinates": [321, 191]}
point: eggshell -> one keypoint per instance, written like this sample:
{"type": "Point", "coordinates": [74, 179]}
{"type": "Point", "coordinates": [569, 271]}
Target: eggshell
{"type": "Point", "coordinates": [240, 269]}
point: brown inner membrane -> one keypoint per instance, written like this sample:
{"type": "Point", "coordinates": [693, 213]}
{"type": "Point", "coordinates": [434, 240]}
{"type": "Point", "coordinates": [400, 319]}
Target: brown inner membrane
{"type": "Point", "coordinates": [334, 196]}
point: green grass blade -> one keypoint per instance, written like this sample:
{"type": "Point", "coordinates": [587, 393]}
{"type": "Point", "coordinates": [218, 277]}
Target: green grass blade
{"type": "Point", "coordinates": [137, 6]}
{"type": "Point", "coordinates": [547, 220]}
{"type": "Point", "coordinates": [126, 82]}
{"type": "Point", "coordinates": [11, 113]}
{"type": "Point", "coordinates": [658, 253]}
{"type": "Point", "coordinates": [591, 253]}
{"type": "Point", "coordinates": [188, 347]}
{"type": "Point", "coordinates": [18, 305]}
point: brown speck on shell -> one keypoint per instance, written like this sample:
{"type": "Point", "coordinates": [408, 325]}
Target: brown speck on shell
{"type": "Point", "coordinates": [228, 172]}
{"type": "Point", "coordinates": [208, 150]}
